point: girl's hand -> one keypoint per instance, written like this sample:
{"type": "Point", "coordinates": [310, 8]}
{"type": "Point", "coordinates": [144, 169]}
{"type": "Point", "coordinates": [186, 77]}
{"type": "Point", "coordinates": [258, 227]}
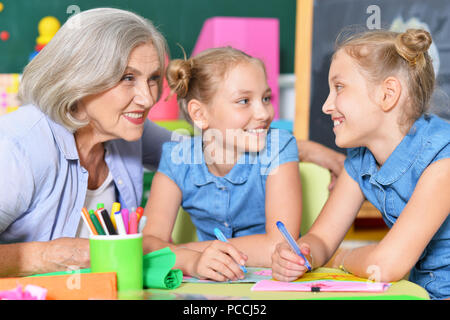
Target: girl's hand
{"type": "Point", "coordinates": [286, 264]}
{"type": "Point", "coordinates": [220, 262]}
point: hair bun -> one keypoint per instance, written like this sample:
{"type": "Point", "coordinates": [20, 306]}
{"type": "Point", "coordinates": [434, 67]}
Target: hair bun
{"type": "Point", "coordinates": [412, 45]}
{"type": "Point", "coordinates": [178, 76]}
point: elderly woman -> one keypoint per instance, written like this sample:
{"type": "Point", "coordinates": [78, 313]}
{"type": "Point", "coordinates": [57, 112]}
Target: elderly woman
{"type": "Point", "coordinates": [82, 137]}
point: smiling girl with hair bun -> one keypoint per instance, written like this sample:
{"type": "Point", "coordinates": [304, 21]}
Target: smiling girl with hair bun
{"type": "Point", "coordinates": [237, 175]}
{"type": "Point", "coordinates": [398, 158]}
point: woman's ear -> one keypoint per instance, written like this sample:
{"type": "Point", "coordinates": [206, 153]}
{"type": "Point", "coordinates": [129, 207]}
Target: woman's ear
{"type": "Point", "coordinates": [391, 90]}
{"type": "Point", "coordinates": [197, 112]}
{"type": "Point", "coordinates": [78, 111]}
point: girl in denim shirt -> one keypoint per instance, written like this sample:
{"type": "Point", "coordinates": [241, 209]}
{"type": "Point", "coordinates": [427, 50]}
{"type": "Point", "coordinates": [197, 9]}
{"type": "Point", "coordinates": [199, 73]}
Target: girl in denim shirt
{"type": "Point", "coordinates": [398, 158]}
{"type": "Point", "coordinates": [238, 175]}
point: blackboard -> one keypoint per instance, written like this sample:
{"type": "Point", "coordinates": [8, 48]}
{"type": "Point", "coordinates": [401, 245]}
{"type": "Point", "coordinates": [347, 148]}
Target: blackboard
{"type": "Point", "coordinates": [333, 16]}
{"type": "Point", "coordinates": [179, 20]}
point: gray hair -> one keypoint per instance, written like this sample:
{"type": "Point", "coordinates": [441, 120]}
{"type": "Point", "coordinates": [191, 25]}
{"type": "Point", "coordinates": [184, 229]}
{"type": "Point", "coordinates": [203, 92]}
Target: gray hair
{"type": "Point", "coordinates": [88, 55]}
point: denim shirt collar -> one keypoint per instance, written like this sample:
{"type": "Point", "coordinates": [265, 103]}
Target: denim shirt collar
{"type": "Point", "coordinates": [64, 139]}
{"type": "Point", "coordinates": [400, 160]}
{"type": "Point", "coordinates": [238, 174]}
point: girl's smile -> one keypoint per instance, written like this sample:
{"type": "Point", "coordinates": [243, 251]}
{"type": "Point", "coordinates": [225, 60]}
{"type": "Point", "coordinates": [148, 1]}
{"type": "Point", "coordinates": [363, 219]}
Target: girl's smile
{"type": "Point", "coordinates": [356, 117]}
{"type": "Point", "coordinates": [337, 121]}
{"type": "Point", "coordinates": [242, 108]}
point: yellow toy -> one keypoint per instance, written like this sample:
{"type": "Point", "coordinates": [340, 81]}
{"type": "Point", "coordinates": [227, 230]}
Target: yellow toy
{"type": "Point", "coordinates": [47, 27]}
{"type": "Point", "coordinates": [9, 86]}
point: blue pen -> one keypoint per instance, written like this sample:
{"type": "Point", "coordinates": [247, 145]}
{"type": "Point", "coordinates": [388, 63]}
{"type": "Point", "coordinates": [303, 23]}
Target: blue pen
{"type": "Point", "coordinates": [292, 242]}
{"type": "Point", "coordinates": [220, 236]}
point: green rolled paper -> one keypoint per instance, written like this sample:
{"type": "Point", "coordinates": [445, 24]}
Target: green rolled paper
{"type": "Point", "coordinates": [158, 272]}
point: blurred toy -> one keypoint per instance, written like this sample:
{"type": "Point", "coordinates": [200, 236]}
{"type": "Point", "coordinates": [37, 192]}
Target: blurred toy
{"type": "Point", "coordinates": [258, 37]}
{"type": "Point", "coordinates": [9, 87]}
{"type": "Point", "coordinates": [167, 106]}
{"type": "Point", "coordinates": [47, 28]}
{"type": "Point", "coordinates": [4, 35]}
{"type": "Point", "coordinates": [31, 292]}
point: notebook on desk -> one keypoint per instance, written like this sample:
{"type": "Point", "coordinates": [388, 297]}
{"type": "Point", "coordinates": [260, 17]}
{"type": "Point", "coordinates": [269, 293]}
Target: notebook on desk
{"type": "Point", "coordinates": [253, 275]}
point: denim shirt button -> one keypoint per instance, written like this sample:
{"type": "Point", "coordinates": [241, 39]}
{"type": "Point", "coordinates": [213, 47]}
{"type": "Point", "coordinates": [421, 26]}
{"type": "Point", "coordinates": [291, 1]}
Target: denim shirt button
{"type": "Point", "coordinates": [120, 181]}
{"type": "Point", "coordinates": [226, 224]}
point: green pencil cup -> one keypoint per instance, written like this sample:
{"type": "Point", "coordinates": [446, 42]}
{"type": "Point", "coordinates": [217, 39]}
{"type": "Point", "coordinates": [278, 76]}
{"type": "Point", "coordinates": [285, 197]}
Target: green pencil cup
{"type": "Point", "coordinates": [122, 254]}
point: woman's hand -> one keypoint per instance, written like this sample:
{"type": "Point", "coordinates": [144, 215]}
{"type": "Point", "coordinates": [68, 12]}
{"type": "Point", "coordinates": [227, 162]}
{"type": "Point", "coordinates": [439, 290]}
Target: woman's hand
{"type": "Point", "coordinates": [65, 254]}
{"type": "Point", "coordinates": [286, 264]}
{"type": "Point", "coordinates": [220, 262]}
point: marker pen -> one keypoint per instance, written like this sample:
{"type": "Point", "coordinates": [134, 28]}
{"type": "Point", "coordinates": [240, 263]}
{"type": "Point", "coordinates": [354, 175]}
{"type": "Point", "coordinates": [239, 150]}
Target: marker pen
{"type": "Point", "coordinates": [119, 222]}
{"type": "Point", "coordinates": [125, 218]}
{"type": "Point", "coordinates": [102, 222]}
{"type": "Point", "coordinates": [114, 209]}
{"type": "Point", "coordinates": [96, 223]}
{"type": "Point", "coordinates": [87, 220]}
{"type": "Point", "coordinates": [133, 223]}
{"type": "Point", "coordinates": [108, 222]}
{"type": "Point", "coordinates": [292, 243]}
{"type": "Point", "coordinates": [220, 236]}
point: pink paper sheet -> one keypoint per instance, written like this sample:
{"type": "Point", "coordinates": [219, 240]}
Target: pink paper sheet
{"type": "Point", "coordinates": [323, 282]}
{"type": "Point", "coordinates": [320, 286]}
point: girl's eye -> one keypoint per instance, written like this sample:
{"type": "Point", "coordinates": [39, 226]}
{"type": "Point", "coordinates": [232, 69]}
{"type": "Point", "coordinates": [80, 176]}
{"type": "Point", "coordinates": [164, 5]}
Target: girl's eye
{"type": "Point", "coordinates": [267, 99]}
{"type": "Point", "coordinates": [338, 87]}
{"type": "Point", "coordinates": [243, 101]}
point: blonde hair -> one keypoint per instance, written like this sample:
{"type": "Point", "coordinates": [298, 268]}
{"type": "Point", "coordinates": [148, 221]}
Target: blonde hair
{"type": "Point", "coordinates": [382, 53]}
{"type": "Point", "coordinates": [198, 77]}
{"type": "Point", "coordinates": [88, 55]}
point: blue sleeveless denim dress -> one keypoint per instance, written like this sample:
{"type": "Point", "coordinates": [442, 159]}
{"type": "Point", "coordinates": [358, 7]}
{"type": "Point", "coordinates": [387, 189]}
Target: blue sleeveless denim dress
{"type": "Point", "coordinates": [390, 187]}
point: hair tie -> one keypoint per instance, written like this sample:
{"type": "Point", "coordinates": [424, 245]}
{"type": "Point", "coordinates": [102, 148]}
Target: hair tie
{"type": "Point", "coordinates": [412, 62]}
